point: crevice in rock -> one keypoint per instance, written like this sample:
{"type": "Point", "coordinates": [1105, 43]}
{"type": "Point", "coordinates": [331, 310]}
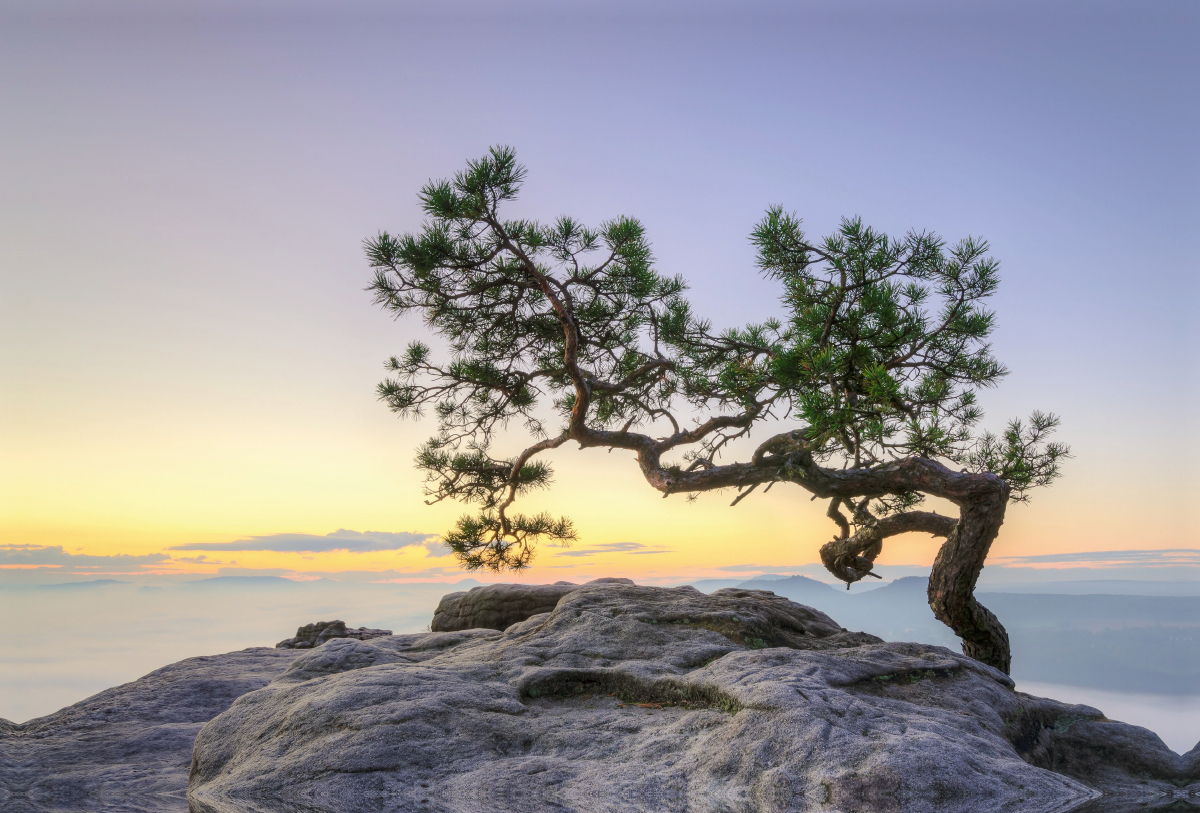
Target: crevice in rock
{"type": "Point", "coordinates": [628, 689]}
{"type": "Point", "coordinates": [1030, 731]}
{"type": "Point", "coordinates": [907, 677]}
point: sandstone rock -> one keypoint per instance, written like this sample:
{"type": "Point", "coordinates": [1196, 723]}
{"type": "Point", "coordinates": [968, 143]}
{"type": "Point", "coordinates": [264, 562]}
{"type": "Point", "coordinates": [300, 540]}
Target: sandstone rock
{"type": "Point", "coordinates": [499, 606]}
{"type": "Point", "coordinates": [126, 749]}
{"type": "Point", "coordinates": [622, 699]}
{"type": "Point", "coordinates": [313, 635]}
{"type": "Point", "coordinates": [626, 698]}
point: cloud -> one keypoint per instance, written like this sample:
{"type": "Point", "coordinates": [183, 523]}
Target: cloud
{"type": "Point", "coordinates": [433, 574]}
{"type": "Point", "coordinates": [341, 539]}
{"type": "Point", "coordinates": [1167, 557]}
{"type": "Point", "coordinates": [634, 548]}
{"type": "Point", "coordinates": [53, 556]}
{"type": "Point", "coordinates": [253, 571]}
{"type": "Point", "coordinates": [201, 560]}
{"type": "Point", "coordinates": [744, 568]}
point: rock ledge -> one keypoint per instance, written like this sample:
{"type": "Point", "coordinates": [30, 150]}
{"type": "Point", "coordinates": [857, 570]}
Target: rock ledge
{"type": "Point", "coordinates": [619, 698]}
{"type": "Point", "coordinates": [628, 698]}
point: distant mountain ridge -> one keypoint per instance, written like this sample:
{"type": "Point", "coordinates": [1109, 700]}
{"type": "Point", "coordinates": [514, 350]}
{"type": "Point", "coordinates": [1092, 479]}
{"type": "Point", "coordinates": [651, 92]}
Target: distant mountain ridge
{"type": "Point", "coordinates": [244, 581]}
{"type": "Point", "coordinates": [78, 585]}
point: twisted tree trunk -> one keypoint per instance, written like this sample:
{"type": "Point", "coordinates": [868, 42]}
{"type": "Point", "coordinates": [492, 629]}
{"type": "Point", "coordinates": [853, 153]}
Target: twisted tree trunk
{"type": "Point", "coordinates": [851, 557]}
{"type": "Point", "coordinates": [955, 572]}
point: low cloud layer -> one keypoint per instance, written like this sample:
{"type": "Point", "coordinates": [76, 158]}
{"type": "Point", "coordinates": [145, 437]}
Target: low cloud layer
{"type": "Point", "coordinates": [341, 539]}
{"type": "Point", "coordinates": [433, 574]}
{"type": "Point", "coordinates": [1167, 557]}
{"type": "Point", "coordinates": [631, 548]}
{"type": "Point", "coordinates": [54, 556]}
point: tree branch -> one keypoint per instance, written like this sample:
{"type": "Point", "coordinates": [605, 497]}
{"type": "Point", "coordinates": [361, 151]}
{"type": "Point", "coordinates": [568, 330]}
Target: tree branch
{"type": "Point", "coordinates": [850, 558]}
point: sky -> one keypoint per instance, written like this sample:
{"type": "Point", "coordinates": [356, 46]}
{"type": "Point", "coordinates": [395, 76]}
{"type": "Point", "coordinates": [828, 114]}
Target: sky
{"type": "Point", "coordinates": [188, 356]}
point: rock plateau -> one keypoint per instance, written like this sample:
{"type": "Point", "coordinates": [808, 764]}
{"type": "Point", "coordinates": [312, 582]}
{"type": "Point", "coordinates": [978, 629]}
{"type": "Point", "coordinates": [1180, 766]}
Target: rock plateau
{"type": "Point", "coordinates": [616, 698]}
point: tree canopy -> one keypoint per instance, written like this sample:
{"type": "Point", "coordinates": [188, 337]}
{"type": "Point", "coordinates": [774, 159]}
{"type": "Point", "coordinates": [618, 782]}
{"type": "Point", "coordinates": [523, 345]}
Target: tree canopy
{"type": "Point", "coordinates": [864, 393]}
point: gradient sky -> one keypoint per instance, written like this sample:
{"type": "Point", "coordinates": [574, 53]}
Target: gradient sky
{"type": "Point", "coordinates": [188, 356]}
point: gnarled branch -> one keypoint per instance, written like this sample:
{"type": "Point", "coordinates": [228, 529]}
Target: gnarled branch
{"type": "Point", "coordinates": [851, 558]}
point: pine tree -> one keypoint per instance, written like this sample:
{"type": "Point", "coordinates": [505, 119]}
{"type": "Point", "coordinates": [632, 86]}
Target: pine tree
{"type": "Point", "coordinates": [569, 330]}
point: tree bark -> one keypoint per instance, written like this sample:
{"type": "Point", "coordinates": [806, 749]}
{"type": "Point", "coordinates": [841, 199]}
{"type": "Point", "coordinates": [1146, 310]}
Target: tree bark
{"type": "Point", "coordinates": [955, 572]}
{"type": "Point", "coordinates": [852, 557]}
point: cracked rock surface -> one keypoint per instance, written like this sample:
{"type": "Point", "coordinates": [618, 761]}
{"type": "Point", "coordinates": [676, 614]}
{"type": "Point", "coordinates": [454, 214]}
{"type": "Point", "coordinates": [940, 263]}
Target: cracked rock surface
{"type": "Point", "coordinates": [626, 698]}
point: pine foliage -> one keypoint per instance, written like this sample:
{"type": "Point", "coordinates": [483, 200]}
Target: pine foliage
{"type": "Point", "coordinates": [881, 355]}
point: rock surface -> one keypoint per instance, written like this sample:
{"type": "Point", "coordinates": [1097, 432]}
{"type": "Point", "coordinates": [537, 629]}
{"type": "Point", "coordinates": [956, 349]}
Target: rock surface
{"type": "Point", "coordinates": [625, 698]}
{"type": "Point", "coordinates": [127, 748]}
{"type": "Point", "coordinates": [313, 635]}
{"type": "Point", "coordinates": [621, 699]}
{"type": "Point", "coordinates": [499, 606]}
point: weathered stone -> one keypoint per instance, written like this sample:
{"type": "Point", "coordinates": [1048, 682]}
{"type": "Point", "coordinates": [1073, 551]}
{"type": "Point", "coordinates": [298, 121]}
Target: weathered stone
{"type": "Point", "coordinates": [126, 749]}
{"type": "Point", "coordinates": [622, 698]}
{"type": "Point", "coordinates": [625, 698]}
{"type": "Point", "coordinates": [311, 635]}
{"type": "Point", "coordinates": [499, 606]}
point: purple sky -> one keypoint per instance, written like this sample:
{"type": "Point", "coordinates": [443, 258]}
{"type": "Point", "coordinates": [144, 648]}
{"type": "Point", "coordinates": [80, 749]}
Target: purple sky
{"type": "Point", "coordinates": [183, 197]}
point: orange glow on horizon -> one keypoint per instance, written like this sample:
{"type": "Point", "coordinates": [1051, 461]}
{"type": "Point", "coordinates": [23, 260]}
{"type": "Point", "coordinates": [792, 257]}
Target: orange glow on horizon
{"type": "Point", "coordinates": [91, 510]}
